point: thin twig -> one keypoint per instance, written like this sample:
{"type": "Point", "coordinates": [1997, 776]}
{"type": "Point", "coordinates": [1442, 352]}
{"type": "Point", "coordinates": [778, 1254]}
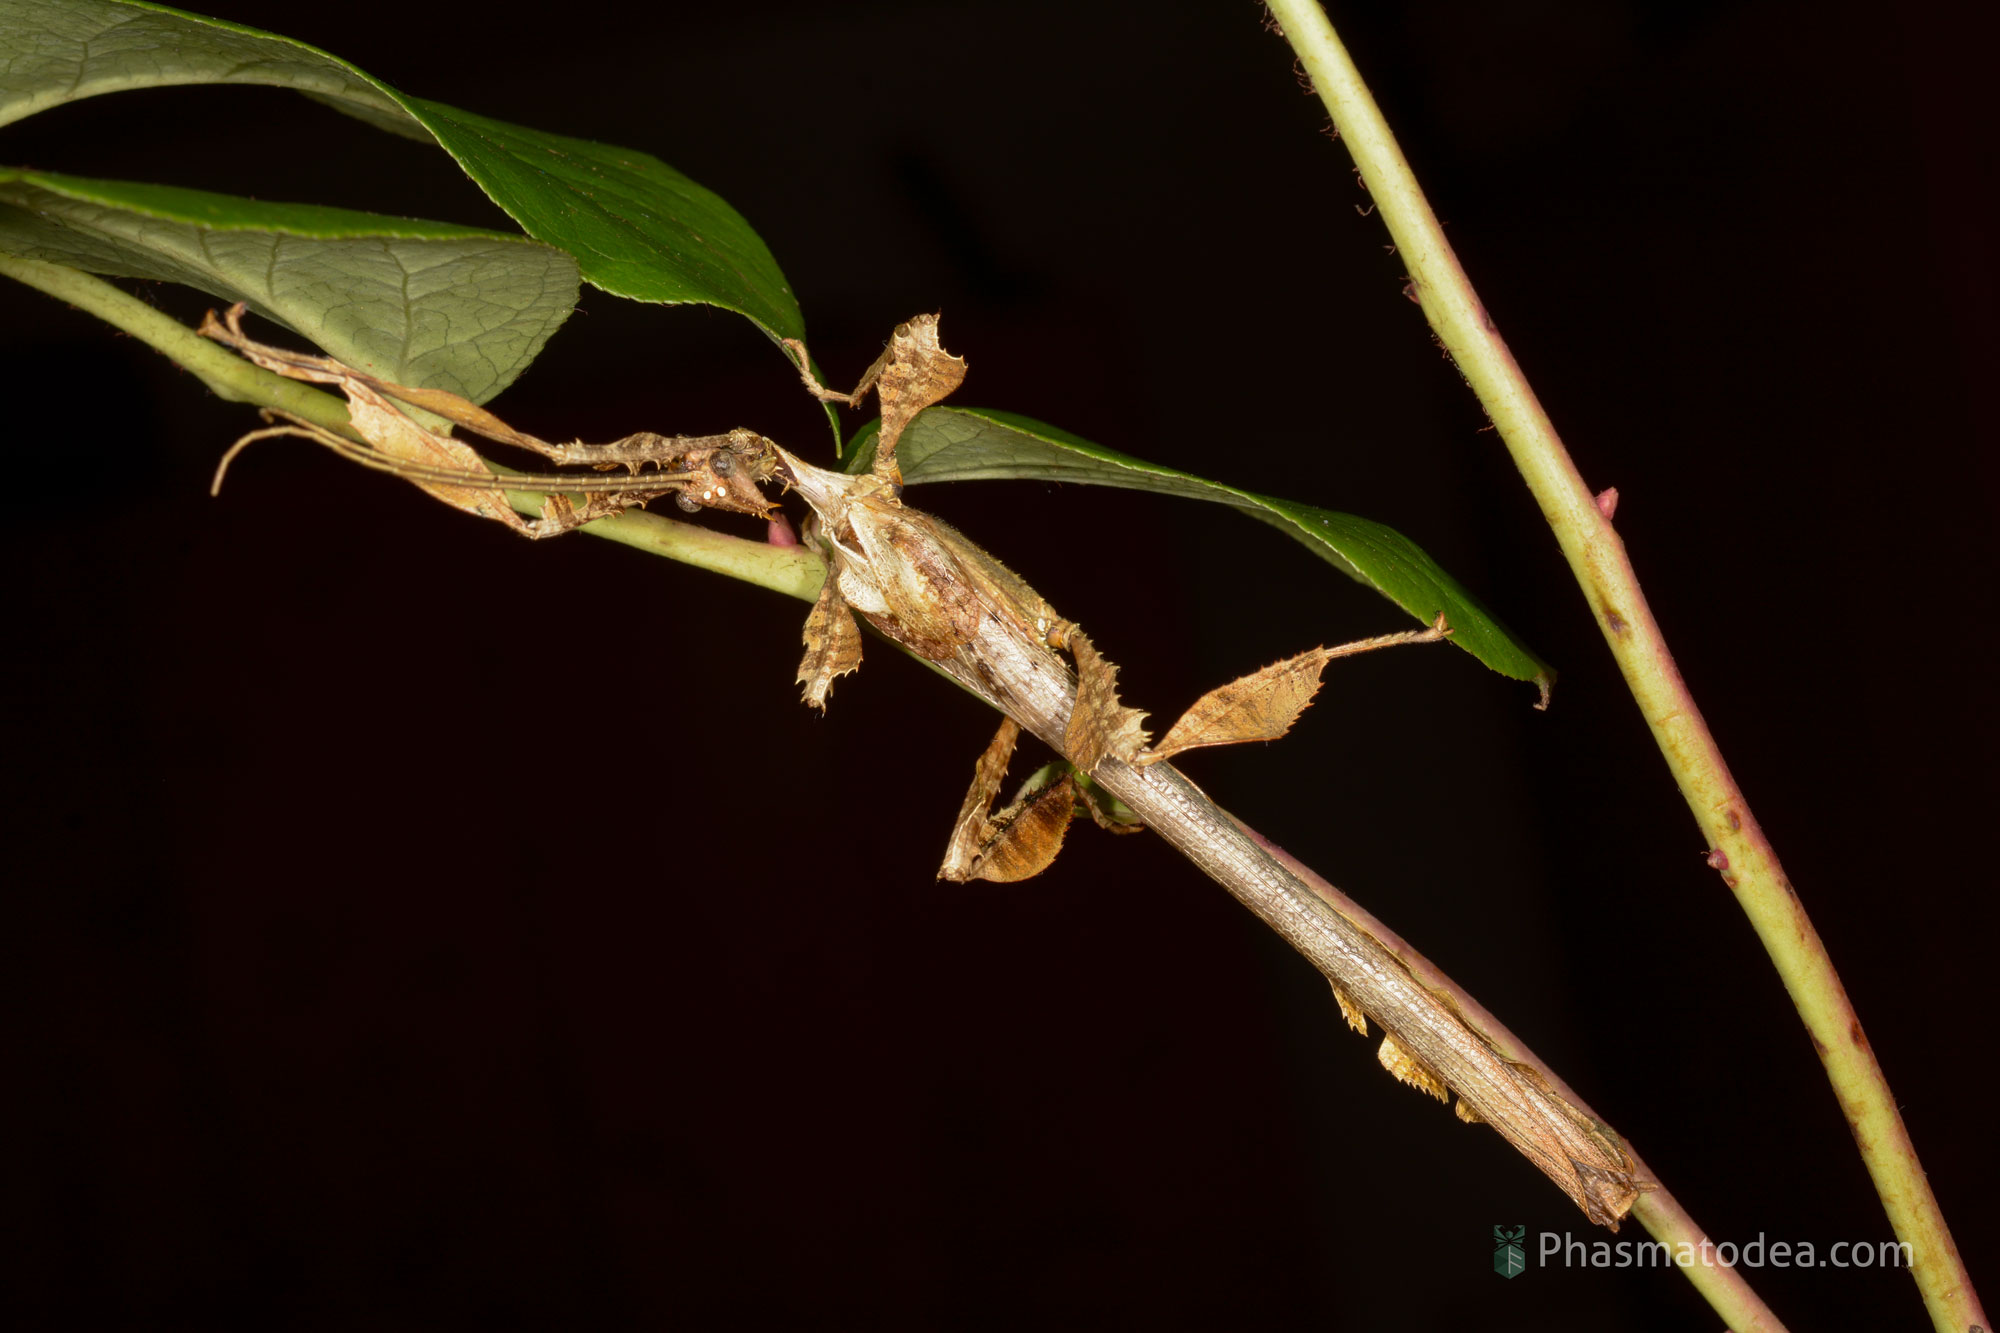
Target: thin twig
{"type": "Point", "coordinates": [1738, 847]}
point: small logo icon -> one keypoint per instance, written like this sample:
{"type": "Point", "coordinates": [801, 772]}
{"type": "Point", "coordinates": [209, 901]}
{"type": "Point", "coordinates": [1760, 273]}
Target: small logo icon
{"type": "Point", "coordinates": [1509, 1255]}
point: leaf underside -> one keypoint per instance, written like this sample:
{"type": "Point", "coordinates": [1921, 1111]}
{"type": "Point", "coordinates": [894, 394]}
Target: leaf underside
{"type": "Point", "coordinates": [636, 227]}
{"type": "Point", "coordinates": [420, 303]}
{"type": "Point", "coordinates": [981, 444]}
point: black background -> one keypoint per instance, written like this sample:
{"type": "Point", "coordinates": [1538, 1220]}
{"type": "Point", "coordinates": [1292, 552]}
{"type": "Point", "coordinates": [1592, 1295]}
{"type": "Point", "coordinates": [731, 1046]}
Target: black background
{"type": "Point", "coordinates": [424, 927]}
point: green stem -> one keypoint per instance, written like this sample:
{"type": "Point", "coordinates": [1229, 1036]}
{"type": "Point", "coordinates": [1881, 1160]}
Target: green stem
{"type": "Point", "coordinates": [1597, 557]}
{"type": "Point", "coordinates": [228, 375]}
{"type": "Point", "coordinates": [792, 570]}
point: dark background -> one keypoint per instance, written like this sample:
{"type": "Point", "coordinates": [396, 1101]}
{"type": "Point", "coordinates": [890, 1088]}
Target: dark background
{"type": "Point", "coordinates": [427, 928]}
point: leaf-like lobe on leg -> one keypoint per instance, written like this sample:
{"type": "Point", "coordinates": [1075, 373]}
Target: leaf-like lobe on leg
{"type": "Point", "coordinates": [914, 372]}
{"type": "Point", "coordinates": [1261, 706]}
{"type": "Point", "coordinates": [1408, 1069]}
{"type": "Point", "coordinates": [1028, 834]}
{"type": "Point", "coordinates": [1349, 1010]}
{"type": "Point", "coordinates": [1098, 724]}
{"type": "Point", "coordinates": [970, 831]}
{"type": "Point", "coordinates": [1023, 839]}
{"type": "Point", "coordinates": [833, 644]}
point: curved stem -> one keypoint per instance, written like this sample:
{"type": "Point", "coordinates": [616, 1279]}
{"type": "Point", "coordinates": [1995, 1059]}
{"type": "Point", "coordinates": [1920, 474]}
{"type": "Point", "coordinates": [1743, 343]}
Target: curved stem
{"type": "Point", "coordinates": [1739, 849]}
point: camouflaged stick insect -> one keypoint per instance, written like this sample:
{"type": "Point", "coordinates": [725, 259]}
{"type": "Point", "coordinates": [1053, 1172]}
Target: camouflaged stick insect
{"type": "Point", "coordinates": [929, 589]}
{"type": "Point", "coordinates": [926, 587]}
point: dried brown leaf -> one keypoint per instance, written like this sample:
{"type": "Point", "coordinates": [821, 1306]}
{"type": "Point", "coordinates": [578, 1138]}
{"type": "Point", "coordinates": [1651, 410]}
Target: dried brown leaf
{"type": "Point", "coordinates": [833, 644]}
{"type": "Point", "coordinates": [1098, 724]}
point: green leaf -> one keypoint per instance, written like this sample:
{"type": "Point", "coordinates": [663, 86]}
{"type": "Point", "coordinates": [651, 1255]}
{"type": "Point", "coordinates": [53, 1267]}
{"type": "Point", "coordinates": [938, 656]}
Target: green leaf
{"type": "Point", "coordinates": [421, 303]}
{"type": "Point", "coordinates": [637, 227]}
{"type": "Point", "coordinates": [968, 444]}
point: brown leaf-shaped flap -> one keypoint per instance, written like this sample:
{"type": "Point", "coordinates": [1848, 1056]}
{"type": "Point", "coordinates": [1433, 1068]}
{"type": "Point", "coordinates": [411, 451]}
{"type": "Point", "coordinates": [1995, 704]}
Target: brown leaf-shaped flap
{"type": "Point", "coordinates": [396, 436]}
{"type": "Point", "coordinates": [972, 828]}
{"type": "Point", "coordinates": [325, 370]}
{"type": "Point", "coordinates": [1408, 1069]}
{"type": "Point", "coordinates": [1349, 1010]}
{"type": "Point", "coordinates": [1028, 836]}
{"type": "Point", "coordinates": [1098, 724]}
{"type": "Point", "coordinates": [833, 644]}
{"type": "Point", "coordinates": [464, 411]}
{"type": "Point", "coordinates": [1023, 839]}
{"type": "Point", "coordinates": [913, 373]}
{"type": "Point", "coordinates": [1261, 706]}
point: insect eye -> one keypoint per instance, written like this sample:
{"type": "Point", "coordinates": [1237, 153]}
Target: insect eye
{"type": "Point", "coordinates": [722, 464]}
{"type": "Point", "coordinates": [687, 502]}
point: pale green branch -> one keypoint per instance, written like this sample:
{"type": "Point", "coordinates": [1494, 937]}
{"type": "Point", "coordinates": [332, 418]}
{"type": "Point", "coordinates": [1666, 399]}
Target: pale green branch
{"type": "Point", "coordinates": [1597, 557]}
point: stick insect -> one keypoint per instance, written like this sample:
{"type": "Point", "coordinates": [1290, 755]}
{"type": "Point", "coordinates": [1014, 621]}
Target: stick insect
{"type": "Point", "coordinates": [928, 589]}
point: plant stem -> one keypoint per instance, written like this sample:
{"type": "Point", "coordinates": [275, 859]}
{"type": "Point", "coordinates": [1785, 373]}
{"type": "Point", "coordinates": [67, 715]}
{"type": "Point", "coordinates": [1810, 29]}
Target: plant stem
{"type": "Point", "coordinates": [228, 375]}
{"type": "Point", "coordinates": [1596, 554]}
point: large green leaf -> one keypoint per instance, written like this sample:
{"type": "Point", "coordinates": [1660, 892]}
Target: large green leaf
{"type": "Point", "coordinates": [637, 227]}
{"type": "Point", "coordinates": [979, 444]}
{"type": "Point", "coordinates": [423, 303]}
